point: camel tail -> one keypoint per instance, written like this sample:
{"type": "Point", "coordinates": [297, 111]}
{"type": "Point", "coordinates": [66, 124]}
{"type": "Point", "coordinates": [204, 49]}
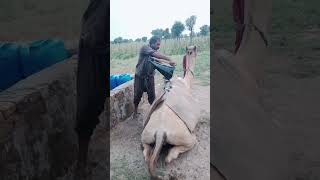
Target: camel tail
{"type": "Point", "coordinates": [159, 141]}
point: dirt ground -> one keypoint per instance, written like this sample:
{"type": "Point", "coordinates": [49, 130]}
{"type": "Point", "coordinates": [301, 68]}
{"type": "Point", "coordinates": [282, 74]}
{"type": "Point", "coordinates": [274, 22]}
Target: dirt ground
{"type": "Point", "coordinates": [127, 160]}
{"type": "Point", "coordinates": [295, 103]}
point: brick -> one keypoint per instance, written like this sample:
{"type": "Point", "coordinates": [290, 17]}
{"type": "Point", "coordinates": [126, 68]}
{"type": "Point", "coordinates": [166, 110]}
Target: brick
{"type": "Point", "coordinates": [6, 127]}
{"type": "Point", "coordinates": [7, 109]}
{"type": "Point", "coordinates": [27, 101]}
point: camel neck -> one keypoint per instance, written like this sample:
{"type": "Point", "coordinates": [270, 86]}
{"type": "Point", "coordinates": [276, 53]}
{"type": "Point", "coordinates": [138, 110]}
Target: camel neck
{"type": "Point", "coordinates": [188, 78]}
{"type": "Point", "coordinates": [189, 74]}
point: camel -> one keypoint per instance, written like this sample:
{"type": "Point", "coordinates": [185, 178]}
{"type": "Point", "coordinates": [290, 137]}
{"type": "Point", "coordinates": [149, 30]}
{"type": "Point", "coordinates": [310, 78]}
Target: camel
{"type": "Point", "coordinates": [246, 142]}
{"type": "Point", "coordinates": [171, 118]}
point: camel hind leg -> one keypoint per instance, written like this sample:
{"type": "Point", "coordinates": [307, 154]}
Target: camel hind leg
{"type": "Point", "coordinates": [176, 150]}
{"type": "Point", "coordinates": [146, 151]}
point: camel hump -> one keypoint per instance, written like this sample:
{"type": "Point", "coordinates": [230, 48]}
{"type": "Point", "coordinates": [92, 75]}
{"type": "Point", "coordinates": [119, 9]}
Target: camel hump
{"type": "Point", "coordinates": [184, 105]}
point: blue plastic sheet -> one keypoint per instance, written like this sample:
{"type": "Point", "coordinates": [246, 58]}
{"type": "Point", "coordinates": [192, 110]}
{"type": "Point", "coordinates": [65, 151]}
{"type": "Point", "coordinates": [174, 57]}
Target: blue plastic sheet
{"type": "Point", "coordinates": [18, 61]}
{"type": "Point", "coordinates": [117, 80]}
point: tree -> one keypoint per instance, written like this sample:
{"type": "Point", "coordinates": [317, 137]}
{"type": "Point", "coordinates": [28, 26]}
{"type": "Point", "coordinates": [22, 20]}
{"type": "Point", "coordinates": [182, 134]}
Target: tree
{"type": "Point", "coordinates": [204, 30]}
{"type": "Point", "coordinates": [176, 29]}
{"type": "Point", "coordinates": [138, 40]}
{"type": "Point", "coordinates": [118, 40]}
{"type": "Point", "coordinates": [190, 22]}
{"type": "Point", "coordinates": [144, 39]}
{"type": "Point", "coordinates": [166, 34]}
{"type": "Point", "coordinates": [158, 32]}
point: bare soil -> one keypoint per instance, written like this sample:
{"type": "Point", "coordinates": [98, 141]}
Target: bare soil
{"type": "Point", "coordinates": [294, 100]}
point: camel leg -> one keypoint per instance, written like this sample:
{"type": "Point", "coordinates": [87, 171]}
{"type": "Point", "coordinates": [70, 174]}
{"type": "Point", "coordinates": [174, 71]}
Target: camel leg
{"type": "Point", "coordinates": [176, 150]}
{"type": "Point", "coordinates": [146, 151]}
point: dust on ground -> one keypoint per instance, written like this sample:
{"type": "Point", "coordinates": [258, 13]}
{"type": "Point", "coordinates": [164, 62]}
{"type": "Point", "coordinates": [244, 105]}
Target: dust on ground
{"type": "Point", "coordinates": [295, 103]}
{"type": "Point", "coordinates": [126, 158]}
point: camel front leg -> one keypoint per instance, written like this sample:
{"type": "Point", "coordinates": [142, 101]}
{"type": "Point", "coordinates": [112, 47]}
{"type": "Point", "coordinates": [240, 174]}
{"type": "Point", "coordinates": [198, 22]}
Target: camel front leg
{"type": "Point", "coordinates": [176, 150]}
{"type": "Point", "coordinates": [146, 151]}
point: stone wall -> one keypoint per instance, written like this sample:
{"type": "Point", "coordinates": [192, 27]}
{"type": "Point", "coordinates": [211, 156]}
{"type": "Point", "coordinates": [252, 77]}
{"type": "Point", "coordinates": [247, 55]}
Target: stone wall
{"type": "Point", "coordinates": [121, 103]}
{"type": "Point", "coordinates": [37, 116]}
{"type": "Point", "coordinates": [37, 120]}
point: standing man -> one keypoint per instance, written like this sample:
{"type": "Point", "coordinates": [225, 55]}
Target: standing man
{"type": "Point", "coordinates": [92, 74]}
{"type": "Point", "coordinates": [144, 76]}
{"type": "Point", "coordinates": [238, 17]}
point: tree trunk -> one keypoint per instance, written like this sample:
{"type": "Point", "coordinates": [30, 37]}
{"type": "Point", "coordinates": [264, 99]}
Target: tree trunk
{"type": "Point", "coordinates": [191, 35]}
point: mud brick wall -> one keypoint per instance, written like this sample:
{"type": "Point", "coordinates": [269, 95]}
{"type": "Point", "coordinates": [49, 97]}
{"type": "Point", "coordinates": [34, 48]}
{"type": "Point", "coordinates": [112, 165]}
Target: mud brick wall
{"type": "Point", "coordinates": [37, 116]}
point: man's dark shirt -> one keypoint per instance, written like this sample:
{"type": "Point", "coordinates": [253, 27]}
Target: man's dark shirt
{"type": "Point", "coordinates": [143, 67]}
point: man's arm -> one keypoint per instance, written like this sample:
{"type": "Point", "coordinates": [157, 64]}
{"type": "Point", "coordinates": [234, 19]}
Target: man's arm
{"type": "Point", "coordinates": [162, 58]}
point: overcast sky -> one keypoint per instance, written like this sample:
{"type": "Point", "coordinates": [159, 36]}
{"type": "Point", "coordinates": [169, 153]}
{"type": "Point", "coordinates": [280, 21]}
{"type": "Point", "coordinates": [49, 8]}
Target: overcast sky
{"type": "Point", "coordinates": [133, 19]}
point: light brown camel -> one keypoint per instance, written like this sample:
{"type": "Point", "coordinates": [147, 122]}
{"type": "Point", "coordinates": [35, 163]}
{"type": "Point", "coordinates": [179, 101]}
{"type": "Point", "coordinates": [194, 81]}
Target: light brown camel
{"type": "Point", "coordinates": [172, 118]}
{"type": "Point", "coordinates": [247, 143]}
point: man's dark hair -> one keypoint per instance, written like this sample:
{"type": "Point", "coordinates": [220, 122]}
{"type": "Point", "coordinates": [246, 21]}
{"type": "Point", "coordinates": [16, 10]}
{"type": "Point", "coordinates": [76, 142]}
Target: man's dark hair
{"type": "Point", "coordinates": [154, 39]}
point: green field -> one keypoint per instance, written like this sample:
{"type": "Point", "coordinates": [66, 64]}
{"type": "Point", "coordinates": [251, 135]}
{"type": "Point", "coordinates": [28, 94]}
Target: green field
{"type": "Point", "coordinates": [290, 18]}
{"type": "Point", "coordinates": [294, 33]}
{"type": "Point", "coordinates": [28, 20]}
{"type": "Point", "coordinates": [124, 57]}
{"type": "Point", "coordinates": [168, 47]}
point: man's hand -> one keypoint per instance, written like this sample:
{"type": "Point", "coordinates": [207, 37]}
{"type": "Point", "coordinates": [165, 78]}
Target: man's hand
{"type": "Point", "coordinates": [172, 63]}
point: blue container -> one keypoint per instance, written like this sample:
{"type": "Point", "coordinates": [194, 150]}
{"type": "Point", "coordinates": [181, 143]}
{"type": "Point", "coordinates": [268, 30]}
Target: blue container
{"type": "Point", "coordinates": [42, 54]}
{"type": "Point", "coordinates": [113, 82]}
{"type": "Point", "coordinates": [123, 78]}
{"type": "Point", "coordinates": [10, 67]}
{"type": "Point", "coordinates": [117, 80]}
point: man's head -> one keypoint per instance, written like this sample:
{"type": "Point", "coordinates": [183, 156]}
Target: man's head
{"type": "Point", "coordinates": [154, 42]}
